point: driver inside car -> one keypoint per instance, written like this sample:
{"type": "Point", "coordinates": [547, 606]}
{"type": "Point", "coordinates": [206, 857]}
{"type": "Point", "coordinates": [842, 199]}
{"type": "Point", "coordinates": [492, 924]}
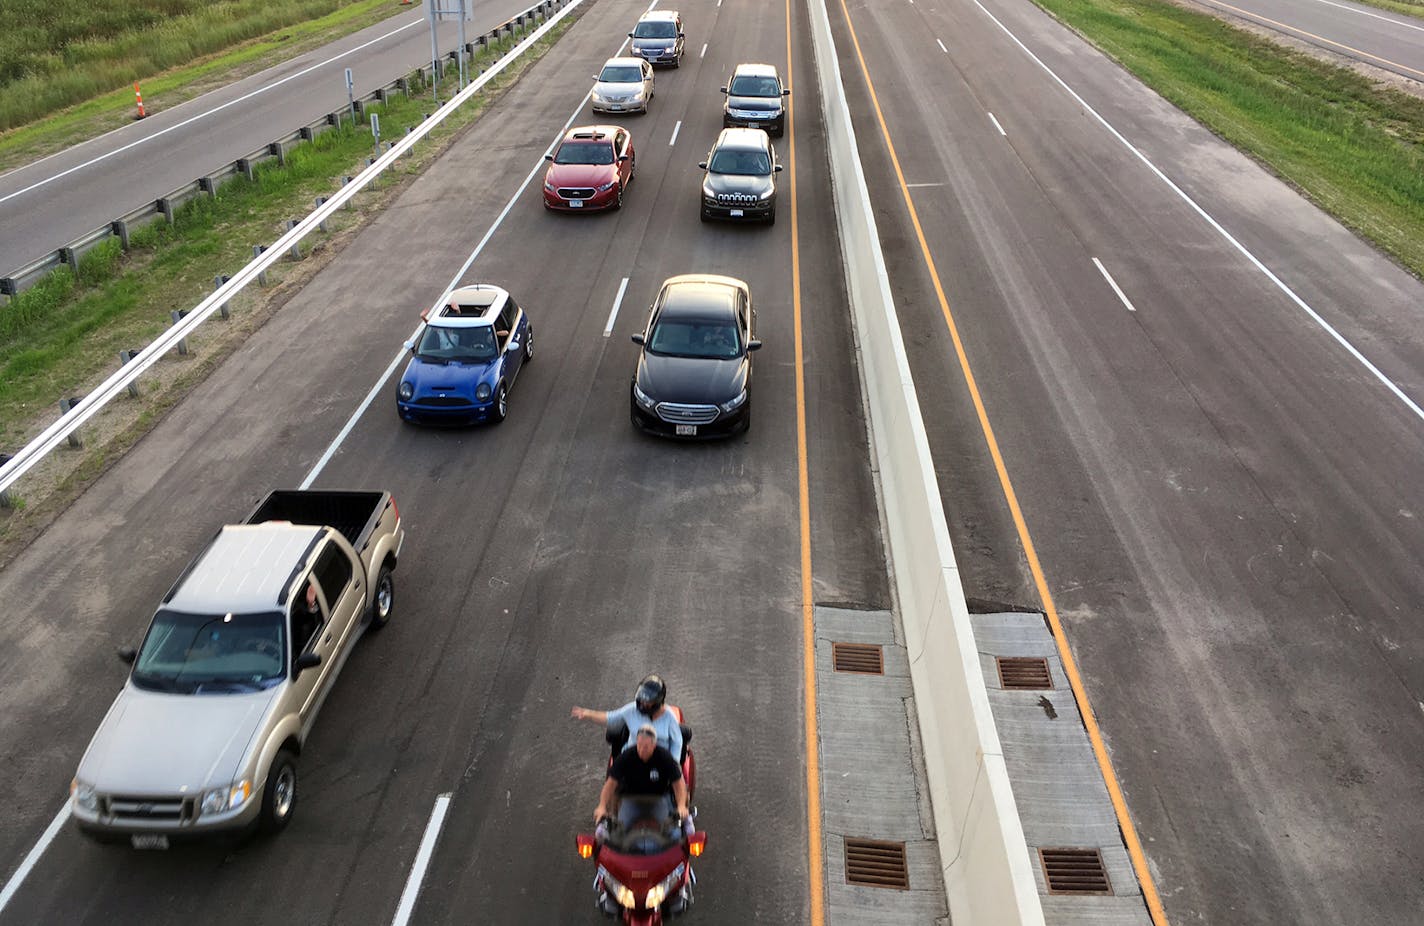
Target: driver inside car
{"type": "Point", "coordinates": [646, 770]}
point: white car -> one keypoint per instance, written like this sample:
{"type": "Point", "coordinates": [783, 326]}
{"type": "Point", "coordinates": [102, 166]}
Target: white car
{"type": "Point", "coordinates": [625, 85]}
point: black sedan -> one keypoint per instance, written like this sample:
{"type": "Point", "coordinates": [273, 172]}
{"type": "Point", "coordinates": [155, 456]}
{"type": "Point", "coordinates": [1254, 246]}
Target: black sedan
{"type": "Point", "coordinates": [695, 370]}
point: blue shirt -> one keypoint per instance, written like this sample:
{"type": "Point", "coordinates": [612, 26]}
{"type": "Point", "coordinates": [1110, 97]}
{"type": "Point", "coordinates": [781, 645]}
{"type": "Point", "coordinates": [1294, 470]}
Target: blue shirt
{"type": "Point", "coordinates": [669, 730]}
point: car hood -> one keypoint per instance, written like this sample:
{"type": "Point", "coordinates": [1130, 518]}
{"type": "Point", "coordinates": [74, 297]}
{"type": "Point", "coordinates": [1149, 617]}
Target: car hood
{"type": "Point", "coordinates": [448, 378]}
{"type": "Point", "coordinates": [766, 104]}
{"type": "Point", "coordinates": [739, 183]}
{"type": "Point", "coordinates": [606, 89]}
{"type": "Point", "coordinates": [161, 743]}
{"type": "Point", "coordinates": [581, 175]}
{"type": "Point", "coordinates": [691, 381]}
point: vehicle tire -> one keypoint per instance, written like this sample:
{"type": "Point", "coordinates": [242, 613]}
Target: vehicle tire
{"type": "Point", "coordinates": [501, 404]}
{"type": "Point", "coordinates": [279, 796]}
{"type": "Point", "coordinates": [704, 215]}
{"type": "Point", "coordinates": [618, 200]}
{"type": "Point", "coordinates": [771, 217]}
{"type": "Point", "coordinates": [528, 344]}
{"type": "Point", "coordinates": [384, 603]}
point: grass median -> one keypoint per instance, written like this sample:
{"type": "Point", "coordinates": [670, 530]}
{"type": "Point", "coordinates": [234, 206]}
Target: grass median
{"type": "Point", "coordinates": [1350, 144]}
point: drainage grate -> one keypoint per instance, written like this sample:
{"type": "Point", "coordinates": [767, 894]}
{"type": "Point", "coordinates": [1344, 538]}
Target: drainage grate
{"type": "Point", "coordinates": [865, 658]}
{"type": "Point", "coordinates": [1074, 871]}
{"type": "Point", "coordinates": [1022, 673]}
{"type": "Point", "coordinates": [876, 864]}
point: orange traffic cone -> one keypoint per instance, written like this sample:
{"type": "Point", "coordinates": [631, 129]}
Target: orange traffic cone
{"type": "Point", "coordinates": [139, 97]}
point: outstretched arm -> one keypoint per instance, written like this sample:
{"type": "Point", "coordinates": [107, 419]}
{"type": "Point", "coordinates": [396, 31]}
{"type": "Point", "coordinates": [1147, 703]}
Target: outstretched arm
{"type": "Point", "coordinates": [583, 713]}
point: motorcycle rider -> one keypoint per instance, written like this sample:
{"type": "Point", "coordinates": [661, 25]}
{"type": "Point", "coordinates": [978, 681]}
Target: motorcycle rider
{"type": "Point", "coordinates": [648, 706]}
{"type": "Point", "coordinates": [646, 770]}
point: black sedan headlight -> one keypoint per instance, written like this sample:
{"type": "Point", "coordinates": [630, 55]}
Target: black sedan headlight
{"type": "Point", "coordinates": [643, 399]}
{"type": "Point", "coordinates": [405, 391]}
{"type": "Point", "coordinates": [734, 403]}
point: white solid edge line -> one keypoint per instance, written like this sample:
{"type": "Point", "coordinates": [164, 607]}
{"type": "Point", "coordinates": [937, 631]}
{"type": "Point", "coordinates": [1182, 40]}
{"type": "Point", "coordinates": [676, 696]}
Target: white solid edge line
{"type": "Point", "coordinates": [191, 119]}
{"type": "Point", "coordinates": [1270, 275]}
{"type": "Point", "coordinates": [12, 886]}
{"type": "Point", "coordinates": [1113, 283]}
{"type": "Point", "coordinates": [617, 301]}
{"type": "Point", "coordinates": [422, 861]}
{"type": "Point", "coordinates": [675, 129]}
{"type": "Point", "coordinates": [941, 46]}
{"type": "Point", "coordinates": [1355, 9]}
{"type": "Point", "coordinates": [703, 53]}
{"type": "Point", "coordinates": [997, 126]}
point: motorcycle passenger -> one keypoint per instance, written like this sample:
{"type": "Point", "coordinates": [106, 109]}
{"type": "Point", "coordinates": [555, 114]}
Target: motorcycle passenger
{"type": "Point", "coordinates": [646, 770]}
{"type": "Point", "coordinates": [647, 706]}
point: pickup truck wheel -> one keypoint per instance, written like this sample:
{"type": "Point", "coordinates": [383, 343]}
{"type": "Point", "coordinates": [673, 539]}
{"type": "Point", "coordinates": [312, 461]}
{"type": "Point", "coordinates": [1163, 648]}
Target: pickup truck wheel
{"type": "Point", "coordinates": [385, 601]}
{"type": "Point", "coordinates": [279, 797]}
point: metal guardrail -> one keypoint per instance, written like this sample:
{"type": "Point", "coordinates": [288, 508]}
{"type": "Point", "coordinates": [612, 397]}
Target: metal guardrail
{"type": "Point", "coordinates": [166, 206]}
{"type": "Point", "coordinates": [134, 365]}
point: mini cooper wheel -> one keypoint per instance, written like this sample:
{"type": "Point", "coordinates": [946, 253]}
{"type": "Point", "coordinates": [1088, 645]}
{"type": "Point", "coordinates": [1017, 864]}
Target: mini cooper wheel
{"type": "Point", "coordinates": [528, 345]}
{"type": "Point", "coordinates": [279, 796]}
{"type": "Point", "coordinates": [385, 603]}
{"type": "Point", "coordinates": [501, 404]}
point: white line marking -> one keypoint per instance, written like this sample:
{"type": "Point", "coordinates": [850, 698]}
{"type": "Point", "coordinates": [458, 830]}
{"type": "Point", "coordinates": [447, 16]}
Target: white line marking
{"type": "Point", "coordinates": [1113, 283]}
{"type": "Point", "coordinates": [997, 126]}
{"type": "Point", "coordinates": [703, 53]}
{"type": "Point", "coordinates": [941, 47]}
{"type": "Point", "coordinates": [161, 132]}
{"type": "Point", "coordinates": [13, 885]}
{"type": "Point", "coordinates": [617, 301]}
{"type": "Point", "coordinates": [422, 861]}
{"type": "Point", "coordinates": [675, 129]}
{"type": "Point", "coordinates": [1355, 9]}
{"type": "Point", "coordinates": [913, 185]}
{"type": "Point", "coordinates": [1270, 275]}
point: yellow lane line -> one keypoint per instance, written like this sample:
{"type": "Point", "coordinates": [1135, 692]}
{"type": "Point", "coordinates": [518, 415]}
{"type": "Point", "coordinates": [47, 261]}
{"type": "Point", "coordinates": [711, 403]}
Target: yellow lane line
{"type": "Point", "coordinates": [815, 863]}
{"type": "Point", "coordinates": [1311, 35]}
{"type": "Point", "coordinates": [1080, 694]}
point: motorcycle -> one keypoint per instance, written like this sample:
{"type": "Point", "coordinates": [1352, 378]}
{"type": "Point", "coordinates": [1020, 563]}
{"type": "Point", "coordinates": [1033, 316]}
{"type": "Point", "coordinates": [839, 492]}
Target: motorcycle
{"type": "Point", "coordinates": [644, 870]}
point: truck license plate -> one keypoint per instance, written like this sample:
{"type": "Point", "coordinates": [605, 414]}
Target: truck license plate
{"type": "Point", "coordinates": [687, 430]}
{"type": "Point", "coordinates": [149, 841]}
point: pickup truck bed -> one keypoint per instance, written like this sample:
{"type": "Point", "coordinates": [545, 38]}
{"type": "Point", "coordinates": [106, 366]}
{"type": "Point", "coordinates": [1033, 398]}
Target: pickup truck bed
{"type": "Point", "coordinates": [353, 514]}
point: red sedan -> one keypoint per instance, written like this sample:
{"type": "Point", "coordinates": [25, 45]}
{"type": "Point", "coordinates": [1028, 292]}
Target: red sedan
{"type": "Point", "coordinates": [590, 169]}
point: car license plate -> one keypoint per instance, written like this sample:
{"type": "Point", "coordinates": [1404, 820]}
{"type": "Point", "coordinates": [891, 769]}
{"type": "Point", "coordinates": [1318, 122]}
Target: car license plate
{"type": "Point", "coordinates": [149, 841]}
{"type": "Point", "coordinates": [614, 107]}
{"type": "Point", "coordinates": [575, 204]}
{"type": "Point", "coordinates": [687, 430]}
{"type": "Point", "coordinates": [736, 213]}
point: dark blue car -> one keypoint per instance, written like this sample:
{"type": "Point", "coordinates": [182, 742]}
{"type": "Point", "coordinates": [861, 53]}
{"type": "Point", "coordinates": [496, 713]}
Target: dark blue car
{"type": "Point", "coordinates": [465, 358]}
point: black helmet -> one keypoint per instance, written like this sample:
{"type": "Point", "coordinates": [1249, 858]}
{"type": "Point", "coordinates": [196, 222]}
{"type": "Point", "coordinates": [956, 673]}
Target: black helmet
{"type": "Point", "coordinates": [650, 696]}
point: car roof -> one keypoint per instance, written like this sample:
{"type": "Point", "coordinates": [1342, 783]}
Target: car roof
{"type": "Point", "coordinates": [468, 307]}
{"type": "Point", "coordinates": [754, 139]}
{"type": "Point", "coordinates": [658, 14]}
{"type": "Point", "coordinates": [626, 60]}
{"type": "Point", "coordinates": [245, 569]}
{"type": "Point", "coordinates": [590, 133]}
{"type": "Point", "coordinates": [755, 70]}
{"type": "Point", "coordinates": [699, 294]}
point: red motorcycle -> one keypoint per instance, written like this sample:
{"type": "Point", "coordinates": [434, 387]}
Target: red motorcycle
{"type": "Point", "coordinates": [644, 869]}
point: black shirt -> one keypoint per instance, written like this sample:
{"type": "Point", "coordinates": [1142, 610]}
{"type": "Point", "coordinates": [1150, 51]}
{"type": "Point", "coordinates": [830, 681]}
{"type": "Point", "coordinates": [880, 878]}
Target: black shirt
{"type": "Point", "coordinates": [654, 777]}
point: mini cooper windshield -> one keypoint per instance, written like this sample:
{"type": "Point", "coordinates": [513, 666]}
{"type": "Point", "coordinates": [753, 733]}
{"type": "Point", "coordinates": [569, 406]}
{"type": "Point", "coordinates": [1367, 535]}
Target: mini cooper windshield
{"type": "Point", "coordinates": [457, 344]}
{"type": "Point", "coordinates": [707, 340]}
{"type": "Point", "coordinates": [212, 653]}
{"type": "Point", "coordinates": [745, 163]}
{"type": "Point", "coordinates": [584, 153]}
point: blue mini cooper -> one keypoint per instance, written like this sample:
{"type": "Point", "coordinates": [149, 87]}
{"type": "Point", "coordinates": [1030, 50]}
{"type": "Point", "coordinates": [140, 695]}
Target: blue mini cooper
{"type": "Point", "coordinates": [464, 359]}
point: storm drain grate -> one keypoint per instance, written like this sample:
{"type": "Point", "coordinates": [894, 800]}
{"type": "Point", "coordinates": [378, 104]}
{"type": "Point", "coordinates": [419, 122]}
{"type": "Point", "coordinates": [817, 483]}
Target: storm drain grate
{"type": "Point", "coordinates": [865, 658]}
{"type": "Point", "coordinates": [1074, 871]}
{"type": "Point", "coordinates": [1022, 673]}
{"type": "Point", "coordinates": [876, 864]}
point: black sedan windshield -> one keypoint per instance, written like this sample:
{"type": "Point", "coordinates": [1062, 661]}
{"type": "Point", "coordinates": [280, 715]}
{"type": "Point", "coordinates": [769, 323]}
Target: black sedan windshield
{"type": "Point", "coordinates": [457, 344]}
{"type": "Point", "coordinates": [584, 153]}
{"type": "Point", "coordinates": [746, 163]}
{"type": "Point", "coordinates": [620, 74]}
{"type": "Point", "coordinates": [206, 653]}
{"type": "Point", "coordinates": [710, 340]}
{"type": "Point", "coordinates": [664, 29]}
{"type": "Point", "coordinates": [754, 86]}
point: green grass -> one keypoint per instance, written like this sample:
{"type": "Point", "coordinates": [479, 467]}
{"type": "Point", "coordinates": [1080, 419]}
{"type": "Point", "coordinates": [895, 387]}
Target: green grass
{"type": "Point", "coordinates": [1354, 147]}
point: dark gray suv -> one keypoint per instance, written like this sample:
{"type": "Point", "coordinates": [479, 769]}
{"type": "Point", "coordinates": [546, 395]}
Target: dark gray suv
{"type": "Point", "coordinates": [740, 182]}
{"type": "Point", "coordinates": [755, 99]}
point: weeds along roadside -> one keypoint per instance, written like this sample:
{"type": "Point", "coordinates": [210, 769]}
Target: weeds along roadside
{"type": "Point", "coordinates": [62, 336]}
{"type": "Point", "coordinates": [1350, 144]}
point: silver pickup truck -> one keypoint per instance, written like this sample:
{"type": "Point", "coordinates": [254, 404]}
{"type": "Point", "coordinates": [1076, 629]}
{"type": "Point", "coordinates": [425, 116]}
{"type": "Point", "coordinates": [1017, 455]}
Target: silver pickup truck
{"type": "Point", "coordinates": [206, 733]}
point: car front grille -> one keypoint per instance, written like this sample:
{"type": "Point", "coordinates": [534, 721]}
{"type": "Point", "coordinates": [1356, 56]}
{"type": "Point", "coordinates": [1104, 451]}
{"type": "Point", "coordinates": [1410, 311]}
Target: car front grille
{"type": "Point", "coordinates": [154, 809]}
{"type": "Point", "coordinates": [571, 192]}
{"type": "Point", "coordinates": [736, 199]}
{"type": "Point", "coordinates": [674, 413]}
{"type": "Point", "coordinates": [443, 400]}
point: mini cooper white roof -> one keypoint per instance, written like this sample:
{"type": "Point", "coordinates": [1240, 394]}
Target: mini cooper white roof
{"type": "Point", "coordinates": [468, 307]}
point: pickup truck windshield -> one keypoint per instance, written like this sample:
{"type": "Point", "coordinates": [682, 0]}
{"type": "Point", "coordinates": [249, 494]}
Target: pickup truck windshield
{"type": "Point", "coordinates": [212, 653]}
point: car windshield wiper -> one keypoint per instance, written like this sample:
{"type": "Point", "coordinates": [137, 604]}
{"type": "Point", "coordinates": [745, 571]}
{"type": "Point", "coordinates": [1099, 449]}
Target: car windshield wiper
{"type": "Point", "coordinates": [222, 684]}
{"type": "Point", "coordinates": [158, 683]}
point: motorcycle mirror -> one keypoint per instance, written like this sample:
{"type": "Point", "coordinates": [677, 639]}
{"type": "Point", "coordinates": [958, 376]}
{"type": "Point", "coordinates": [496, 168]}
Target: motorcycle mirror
{"type": "Point", "coordinates": [585, 845]}
{"type": "Point", "coordinates": [697, 843]}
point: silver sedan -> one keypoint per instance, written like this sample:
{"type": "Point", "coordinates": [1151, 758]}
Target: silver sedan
{"type": "Point", "coordinates": [625, 85]}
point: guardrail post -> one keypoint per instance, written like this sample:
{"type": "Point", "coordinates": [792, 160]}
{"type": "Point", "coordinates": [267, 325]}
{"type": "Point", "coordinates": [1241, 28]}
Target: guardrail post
{"type": "Point", "coordinates": [218, 281]}
{"type": "Point", "coordinates": [280, 150]}
{"type": "Point", "coordinates": [69, 257]}
{"type": "Point", "coordinates": [64, 407]}
{"type": "Point", "coordinates": [305, 133]}
{"type": "Point", "coordinates": [6, 499]}
{"type": "Point", "coordinates": [8, 287]}
{"type": "Point", "coordinates": [165, 206]}
{"type": "Point", "coordinates": [360, 107]}
{"type": "Point", "coordinates": [321, 201]}
{"type": "Point", "coordinates": [120, 228]}
{"type": "Point", "coordinates": [245, 165]}
{"type": "Point", "coordinates": [177, 317]}
{"type": "Point", "coordinates": [296, 251]}
{"type": "Point", "coordinates": [124, 357]}
{"type": "Point", "coordinates": [208, 185]}
{"type": "Point", "coordinates": [350, 203]}
{"type": "Point", "coordinates": [257, 250]}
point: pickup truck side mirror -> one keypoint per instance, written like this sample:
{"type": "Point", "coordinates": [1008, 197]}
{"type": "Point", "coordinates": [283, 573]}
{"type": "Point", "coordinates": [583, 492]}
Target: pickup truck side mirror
{"type": "Point", "coordinates": [305, 661]}
{"type": "Point", "coordinates": [128, 654]}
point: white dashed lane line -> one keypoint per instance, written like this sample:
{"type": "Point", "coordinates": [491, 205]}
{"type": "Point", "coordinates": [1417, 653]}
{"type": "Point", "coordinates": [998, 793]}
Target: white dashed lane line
{"type": "Point", "coordinates": [675, 129]}
{"type": "Point", "coordinates": [1113, 283]}
{"type": "Point", "coordinates": [617, 301]}
{"type": "Point", "coordinates": [997, 126]}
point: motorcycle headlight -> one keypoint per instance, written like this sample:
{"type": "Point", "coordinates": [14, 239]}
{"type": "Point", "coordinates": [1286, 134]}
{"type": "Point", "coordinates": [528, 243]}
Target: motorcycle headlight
{"type": "Point", "coordinates": [642, 398]}
{"type": "Point", "coordinates": [735, 402]}
{"type": "Point", "coordinates": [230, 798]}
{"type": "Point", "coordinates": [617, 891]}
{"type": "Point", "coordinates": [84, 795]}
{"type": "Point", "coordinates": [660, 892]}
{"type": "Point", "coordinates": [405, 392]}
{"type": "Point", "coordinates": [483, 392]}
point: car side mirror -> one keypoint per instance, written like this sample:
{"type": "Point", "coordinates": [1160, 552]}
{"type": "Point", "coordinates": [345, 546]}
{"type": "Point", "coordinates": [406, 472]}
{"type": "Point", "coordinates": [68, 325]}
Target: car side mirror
{"type": "Point", "coordinates": [786, 91]}
{"type": "Point", "coordinates": [548, 157]}
{"type": "Point", "coordinates": [128, 654]}
{"type": "Point", "coordinates": [724, 89]}
{"type": "Point", "coordinates": [409, 345]}
{"type": "Point", "coordinates": [594, 77]}
{"type": "Point", "coordinates": [513, 346]}
{"type": "Point", "coordinates": [682, 35]}
{"type": "Point", "coordinates": [638, 339]}
{"type": "Point", "coordinates": [753, 345]}
{"type": "Point", "coordinates": [777, 167]}
{"type": "Point", "coordinates": [702, 164]}
{"type": "Point", "coordinates": [305, 661]}
{"type": "Point", "coordinates": [622, 158]}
